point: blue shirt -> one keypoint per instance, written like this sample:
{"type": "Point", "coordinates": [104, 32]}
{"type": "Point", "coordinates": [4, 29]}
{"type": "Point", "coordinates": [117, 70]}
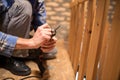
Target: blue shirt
{"type": "Point", "coordinates": [5, 5]}
{"type": "Point", "coordinates": [8, 42]}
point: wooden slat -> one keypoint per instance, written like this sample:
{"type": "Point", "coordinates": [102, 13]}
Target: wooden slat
{"type": "Point", "coordinates": [76, 2]}
{"type": "Point", "coordinates": [103, 50]}
{"type": "Point", "coordinates": [111, 67]}
{"type": "Point", "coordinates": [95, 45]}
{"type": "Point", "coordinates": [74, 34]}
{"type": "Point", "coordinates": [72, 4]}
{"type": "Point", "coordinates": [82, 1]}
{"type": "Point", "coordinates": [104, 41]}
{"type": "Point", "coordinates": [71, 33]}
{"type": "Point", "coordinates": [94, 42]}
{"type": "Point", "coordinates": [86, 40]}
{"type": "Point", "coordinates": [79, 31]}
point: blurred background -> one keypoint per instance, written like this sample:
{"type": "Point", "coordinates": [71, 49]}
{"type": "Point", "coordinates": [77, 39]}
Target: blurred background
{"type": "Point", "coordinates": [58, 12]}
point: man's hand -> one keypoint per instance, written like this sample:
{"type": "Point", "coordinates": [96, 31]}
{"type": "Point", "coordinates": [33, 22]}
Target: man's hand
{"type": "Point", "coordinates": [42, 35]}
{"type": "Point", "coordinates": [48, 46]}
{"type": "Point", "coordinates": [41, 38]}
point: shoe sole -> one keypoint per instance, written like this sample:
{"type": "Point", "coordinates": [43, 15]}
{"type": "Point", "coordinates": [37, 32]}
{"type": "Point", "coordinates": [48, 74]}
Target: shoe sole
{"type": "Point", "coordinates": [16, 73]}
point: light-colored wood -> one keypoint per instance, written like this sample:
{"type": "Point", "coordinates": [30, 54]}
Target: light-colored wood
{"type": "Point", "coordinates": [111, 67]}
{"type": "Point", "coordinates": [73, 34]}
{"type": "Point", "coordinates": [79, 30]}
{"type": "Point", "coordinates": [70, 33]}
{"type": "Point", "coordinates": [82, 1]}
{"type": "Point", "coordinates": [96, 53]}
{"type": "Point", "coordinates": [74, 3]}
{"type": "Point", "coordinates": [86, 39]}
{"type": "Point", "coordinates": [103, 50]}
{"type": "Point", "coordinates": [94, 42]}
{"type": "Point", "coordinates": [103, 41]}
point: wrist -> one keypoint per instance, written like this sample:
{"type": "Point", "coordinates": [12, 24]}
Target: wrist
{"type": "Point", "coordinates": [25, 44]}
{"type": "Point", "coordinates": [32, 44]}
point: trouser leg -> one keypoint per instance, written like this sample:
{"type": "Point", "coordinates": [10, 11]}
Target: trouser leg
{"type": "Point", "coordinates": [17, 22]}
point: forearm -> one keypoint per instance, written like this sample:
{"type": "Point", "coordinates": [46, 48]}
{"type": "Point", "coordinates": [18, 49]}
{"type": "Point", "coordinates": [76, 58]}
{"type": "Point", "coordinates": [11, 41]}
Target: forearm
{"type": "Point", "coordinates": [8, 42]}
{"type": "Point", "coordinates": [40, 37]}
{"type": "Point", "coordinates": [24, 44]}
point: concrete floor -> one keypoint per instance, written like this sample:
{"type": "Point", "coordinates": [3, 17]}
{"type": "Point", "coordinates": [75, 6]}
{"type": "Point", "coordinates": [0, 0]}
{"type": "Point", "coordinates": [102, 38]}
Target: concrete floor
{"type": "Point", "coordinates": [58, 69]}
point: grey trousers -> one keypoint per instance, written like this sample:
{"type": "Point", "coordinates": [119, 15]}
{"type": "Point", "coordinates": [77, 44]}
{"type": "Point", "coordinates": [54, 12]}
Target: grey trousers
{"type": "Point", "coordinates": [17, 22]}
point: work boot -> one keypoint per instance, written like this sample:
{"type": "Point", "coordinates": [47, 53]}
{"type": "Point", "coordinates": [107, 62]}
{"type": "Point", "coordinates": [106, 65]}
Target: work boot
{"type": "Point", "coordinates": [16, 67]}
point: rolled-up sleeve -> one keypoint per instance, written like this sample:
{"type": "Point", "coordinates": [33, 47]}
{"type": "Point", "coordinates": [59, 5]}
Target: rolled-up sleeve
{"type": "Point", "coordinates": [7, 44]}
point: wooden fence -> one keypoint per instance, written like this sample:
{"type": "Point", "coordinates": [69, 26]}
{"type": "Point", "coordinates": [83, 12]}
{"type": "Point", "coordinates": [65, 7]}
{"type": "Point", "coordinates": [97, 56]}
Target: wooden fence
{"type": "Point", "coordinates": [94, 39]}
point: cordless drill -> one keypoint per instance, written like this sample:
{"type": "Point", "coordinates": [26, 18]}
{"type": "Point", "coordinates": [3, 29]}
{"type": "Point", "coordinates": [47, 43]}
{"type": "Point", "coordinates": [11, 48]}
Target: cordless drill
{"type": "Point", "coordinates": [39, 59]}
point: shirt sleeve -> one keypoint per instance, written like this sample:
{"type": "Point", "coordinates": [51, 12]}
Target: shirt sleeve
{"type": "Point", "coordinates": [39, 14]}
{"type": "Point", "coordinates": [7, 44]}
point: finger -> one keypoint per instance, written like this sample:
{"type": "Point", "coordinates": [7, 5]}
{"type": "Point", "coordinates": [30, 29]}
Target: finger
{"type": "Point", "coordinates": [50, 43]}
{"type": "Point", "coordinates": [48, 46]}
{"type": "Point", "coordinates": [46, 49]}
{"type": "Point", "coordinates": [47, 29]}
{"type": "Point", "coordinates": [46, 33]}
{"type": "Point", "coordinates": [43, 29]}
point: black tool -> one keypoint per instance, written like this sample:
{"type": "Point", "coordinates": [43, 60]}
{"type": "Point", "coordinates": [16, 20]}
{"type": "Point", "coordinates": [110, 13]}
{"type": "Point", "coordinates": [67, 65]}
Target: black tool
{"type": "Point", "coordinates": [54, 31]}
{"type": "Point", "coordinates": [39, 59]}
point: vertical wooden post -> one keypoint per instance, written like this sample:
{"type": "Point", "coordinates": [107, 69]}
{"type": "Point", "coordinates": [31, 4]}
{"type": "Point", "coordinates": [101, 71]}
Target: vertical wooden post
{"type": "Point", "coordinates": [72, 31]}
{"type": "Point", "coordinates": [79, 31]}
{"type": "Point", "coordinates": [103, 41]}
{"type": "Point", "coordinates": [94, 42]}
{"type": "Point", "coordinates": [111, 67]}
{"type": "Point", "coordinates": [86, 39]}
